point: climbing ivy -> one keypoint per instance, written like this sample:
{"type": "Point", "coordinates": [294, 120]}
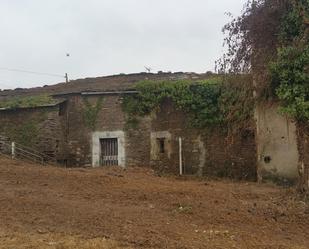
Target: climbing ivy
{"type": "Point", "coordinates": [270, 39]}
{"type": "Point", "coordinates": [291, 26]}
{"type": "Point", "coordinates": [29, 133]}
{"type": "Point", "coordinates": [290, 70]}
{"type": "Point", "coordinates": [207, 103]}
{"type": "Point", "coordinates": [91, 112]}
{"type": "Point", "coordinates": [25, 133]}
{"type": "Point", "coordinates": [291, 81]}
{"type": "Point", "coordinates": [237, 102]}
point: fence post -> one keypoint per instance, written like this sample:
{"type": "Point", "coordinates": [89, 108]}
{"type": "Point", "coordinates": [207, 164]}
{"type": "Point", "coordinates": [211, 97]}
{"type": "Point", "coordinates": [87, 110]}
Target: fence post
{"type": "Point", "coordinates": [13, 150]}
{"type": "Point", "coordinates": [180, 157]}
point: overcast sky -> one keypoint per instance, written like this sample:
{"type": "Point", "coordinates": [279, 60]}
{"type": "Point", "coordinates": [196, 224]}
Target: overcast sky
{"type": "Point", "coordinates": [106, 37]}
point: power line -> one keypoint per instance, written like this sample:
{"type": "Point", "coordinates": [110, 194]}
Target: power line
{"type": "Point", "coordinates": [31, 72]}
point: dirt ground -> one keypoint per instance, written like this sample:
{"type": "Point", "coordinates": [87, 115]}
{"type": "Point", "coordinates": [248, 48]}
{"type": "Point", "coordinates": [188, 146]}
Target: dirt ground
{"type": "Point", "coordinates": [52, 208]}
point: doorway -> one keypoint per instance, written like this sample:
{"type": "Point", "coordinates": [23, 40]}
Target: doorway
{"type": "Point", "coordinates": [108, 148]}
{"type": "Point", "coordinates": [109, 152]}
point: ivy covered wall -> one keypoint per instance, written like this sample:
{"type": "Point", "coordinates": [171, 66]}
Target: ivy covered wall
{"type": "Point", "coordinates": [214, 117]}
{"type": "Point", "coordinates": [221, 101]}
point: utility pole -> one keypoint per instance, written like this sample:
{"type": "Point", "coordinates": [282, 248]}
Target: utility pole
{"type": "Point", "coordinates": [66, 74]}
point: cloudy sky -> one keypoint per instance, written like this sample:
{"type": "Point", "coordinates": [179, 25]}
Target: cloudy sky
{"type": "Point", "coordinates": [106, 37]}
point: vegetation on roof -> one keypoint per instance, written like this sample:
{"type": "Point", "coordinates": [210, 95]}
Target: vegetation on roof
{"type": "Point", "coordinates": [207, 103]}
{"type": "Point", "coordinates": [26, 102]}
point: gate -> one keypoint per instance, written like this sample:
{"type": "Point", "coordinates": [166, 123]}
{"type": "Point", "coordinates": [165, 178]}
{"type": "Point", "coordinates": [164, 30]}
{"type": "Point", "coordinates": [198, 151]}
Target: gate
{"type": "Point", "coordinates": [109, 151]}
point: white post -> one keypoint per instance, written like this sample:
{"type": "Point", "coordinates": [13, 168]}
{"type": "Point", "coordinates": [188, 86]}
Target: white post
{"type": "Point", "coordinates": [180, 156]}
{"type": "Point", "coordinates": [13, 150]}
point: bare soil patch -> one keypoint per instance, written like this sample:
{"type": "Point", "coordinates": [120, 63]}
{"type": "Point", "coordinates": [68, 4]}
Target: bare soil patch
{"type": "Point", "coordinates": [113, 208]}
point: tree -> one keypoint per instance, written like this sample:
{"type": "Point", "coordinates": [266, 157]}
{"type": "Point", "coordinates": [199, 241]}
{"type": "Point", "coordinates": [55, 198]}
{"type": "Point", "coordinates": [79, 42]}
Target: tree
{"type": "Point", "coordinates": [270, 40]}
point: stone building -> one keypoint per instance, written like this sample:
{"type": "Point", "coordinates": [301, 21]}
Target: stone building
{"type": "Point", "coordinates": [267, 150]}
{"type": "Point", "coordinates": [154, 141]}
{"type": "Point", "coordinates": [62, 131]}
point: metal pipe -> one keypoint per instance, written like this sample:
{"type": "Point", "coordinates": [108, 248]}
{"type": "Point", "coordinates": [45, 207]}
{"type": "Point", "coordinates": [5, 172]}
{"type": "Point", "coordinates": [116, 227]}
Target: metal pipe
{"type": "Point", "coordinates": [13, 150]}
{"type": "Point", "coordinates": [180, 157]}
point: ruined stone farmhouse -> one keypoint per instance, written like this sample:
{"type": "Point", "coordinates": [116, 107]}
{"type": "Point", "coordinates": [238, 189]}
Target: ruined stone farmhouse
{"type": "Point", "coordinates": [267, 148]}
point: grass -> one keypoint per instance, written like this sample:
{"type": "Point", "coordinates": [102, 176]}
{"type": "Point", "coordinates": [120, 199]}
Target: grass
{"type": "Point", "coordinates": [26, 102]}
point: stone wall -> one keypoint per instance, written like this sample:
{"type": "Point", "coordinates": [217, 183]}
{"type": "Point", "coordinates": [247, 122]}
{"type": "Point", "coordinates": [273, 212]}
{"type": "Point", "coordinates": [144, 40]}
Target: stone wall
{"type": "Point", "coordinates": [38, 128]}
{"type": "Point", "coordinates": [77, 135]}
{"type": "Point", "coordinates": [209, 152]}
{"type": "Point", "coordinates": [110, 119]}
{"type": "Point", "coordinates": [153, 141]}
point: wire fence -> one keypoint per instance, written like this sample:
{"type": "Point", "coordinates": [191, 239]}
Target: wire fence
{"type": "Point", "coordinates": [18, 151]}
